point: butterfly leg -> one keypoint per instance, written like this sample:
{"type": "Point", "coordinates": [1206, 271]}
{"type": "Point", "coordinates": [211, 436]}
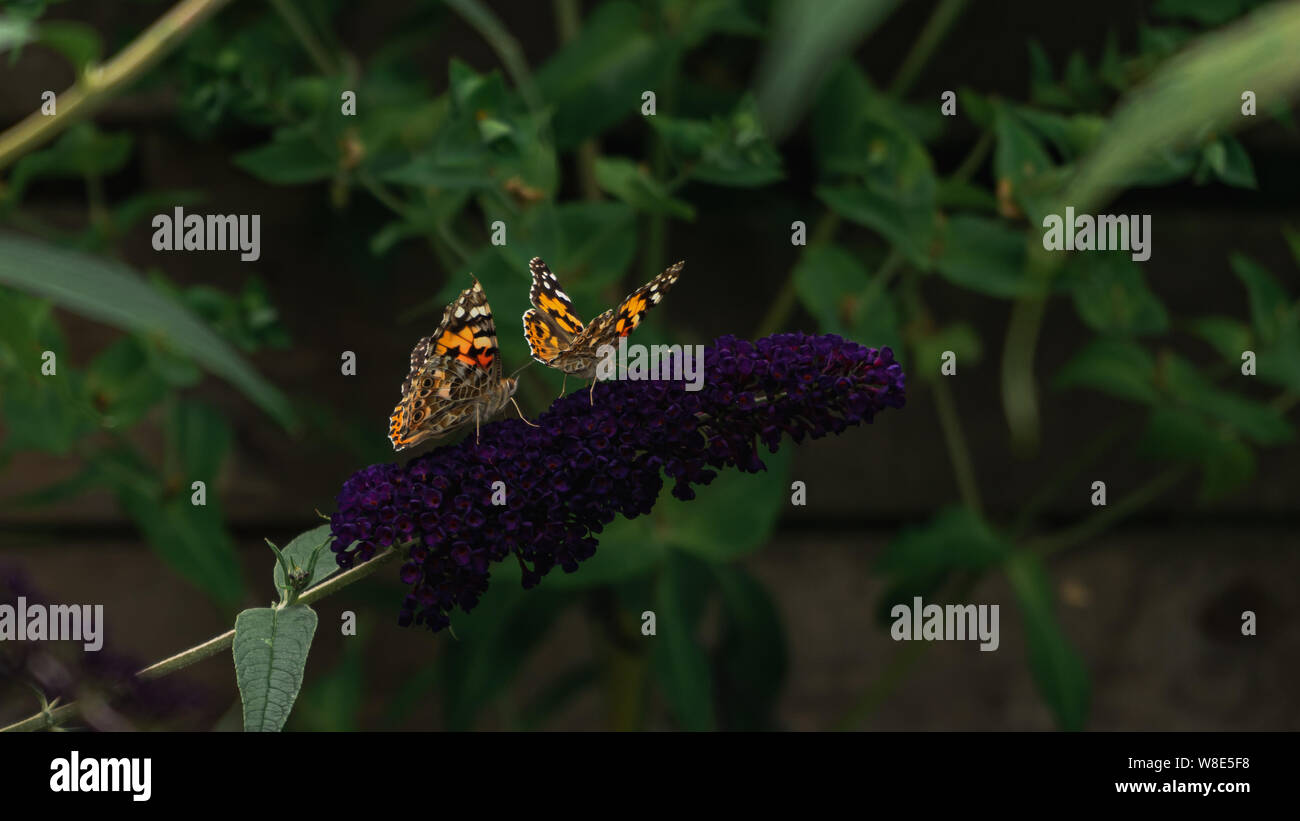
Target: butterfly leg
{"type": "Point", "coordinates": [521, 413]}
{"type": "Point", "coordinates": [591, 394]}
{"type": "Point", "coordinates": [564, 383]}
{"type": "Point", "coordinates": [476, 439]}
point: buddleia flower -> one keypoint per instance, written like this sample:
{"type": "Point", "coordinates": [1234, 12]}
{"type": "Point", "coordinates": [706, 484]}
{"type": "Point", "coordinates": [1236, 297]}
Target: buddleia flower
{"type": "Point", "coordinates": [594, 457]}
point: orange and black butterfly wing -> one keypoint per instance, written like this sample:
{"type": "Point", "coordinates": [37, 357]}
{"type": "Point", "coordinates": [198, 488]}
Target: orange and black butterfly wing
{"type": "Point", "coordinates": [622, 320]}
{"type": "Point", "coordinates": [552, 323]}
{"type": "Point", "coordinates": [629, 312]}
{"type": "Point", "coordinates": [451, 370]}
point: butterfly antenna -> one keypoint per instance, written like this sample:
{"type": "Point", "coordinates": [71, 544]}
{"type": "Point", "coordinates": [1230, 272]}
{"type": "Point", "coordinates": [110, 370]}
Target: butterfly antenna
{"type": "Point", "coordinates": [520, 369]}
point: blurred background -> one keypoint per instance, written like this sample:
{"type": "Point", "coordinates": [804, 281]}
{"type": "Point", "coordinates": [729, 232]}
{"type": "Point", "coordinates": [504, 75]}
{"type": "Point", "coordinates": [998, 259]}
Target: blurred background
{"type": "Point", "coordinates": [922, 232]}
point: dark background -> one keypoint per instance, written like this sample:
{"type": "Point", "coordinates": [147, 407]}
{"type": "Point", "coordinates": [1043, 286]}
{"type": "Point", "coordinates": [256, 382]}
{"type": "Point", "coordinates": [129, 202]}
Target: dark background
{"type": "Point", "coordinates": [1154, 606]}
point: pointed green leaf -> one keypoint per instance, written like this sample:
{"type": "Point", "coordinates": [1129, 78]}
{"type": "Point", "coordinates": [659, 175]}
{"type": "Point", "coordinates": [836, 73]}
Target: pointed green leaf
{"type": "Point", "coordinates": [110, 292]}
{"type": "Point", "coordinates": [270, 650]}
{"type": "Point", "coordinates": [679, 658]}
{"type": "Point", "coordinates": [1057, 667]}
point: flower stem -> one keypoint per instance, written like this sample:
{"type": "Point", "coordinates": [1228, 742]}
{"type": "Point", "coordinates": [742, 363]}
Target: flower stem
{"type": "Point", "coordinates": [1019, 392]}
{"type": "Point", "coordinates": [211, 647]}
{"type": "Point", "coordinates": [783, 305]}
{"type": "Point", "coordinates": [303, 31]}
{"type": "Point", "coordinates": [507, 48]}
{"type": "Point", "coordinates": [97, 84]}
{"type": "Point", "coordinates": [568, 22]}
{"type": "Point", "coordinates": [963, 466]}
{"type": "Point", "coordinates": [936, 28]}
{"type": "Point", "coordinates": [1049, 490]}
{"type": "Point", "coordinates": [1101, 521]}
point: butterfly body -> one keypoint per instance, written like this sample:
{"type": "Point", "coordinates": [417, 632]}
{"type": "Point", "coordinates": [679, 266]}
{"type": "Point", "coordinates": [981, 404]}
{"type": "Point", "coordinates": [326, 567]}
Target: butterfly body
{"type": "Point", "coordinates": [455, 376]}
{"type": "Point", "coordinates": [558, 338]}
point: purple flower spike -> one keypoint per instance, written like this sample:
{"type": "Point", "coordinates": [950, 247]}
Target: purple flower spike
{"type": "Point", "coordinates": [585, 464]}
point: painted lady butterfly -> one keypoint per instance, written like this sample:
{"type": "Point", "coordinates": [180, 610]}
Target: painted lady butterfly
{"type": "Point", "coordinates": [455, 375]}
{"type": "Point", "coordinates": [557, 337]}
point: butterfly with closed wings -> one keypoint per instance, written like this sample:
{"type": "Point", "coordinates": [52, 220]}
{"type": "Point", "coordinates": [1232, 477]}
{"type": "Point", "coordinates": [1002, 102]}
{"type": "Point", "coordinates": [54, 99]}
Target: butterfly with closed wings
{"type": "Point", "coordinates": [455, 375]}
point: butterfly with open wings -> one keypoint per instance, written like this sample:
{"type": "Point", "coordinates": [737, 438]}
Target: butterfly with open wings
{"type": "Point", "coordinates": [557, 337]}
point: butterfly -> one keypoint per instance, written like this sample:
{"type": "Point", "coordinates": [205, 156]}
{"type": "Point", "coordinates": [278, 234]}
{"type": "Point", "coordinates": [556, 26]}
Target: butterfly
{"type": "Point", "coordinates": [556, 336]}
{"type": "Point", "coordinates": [455, 375]}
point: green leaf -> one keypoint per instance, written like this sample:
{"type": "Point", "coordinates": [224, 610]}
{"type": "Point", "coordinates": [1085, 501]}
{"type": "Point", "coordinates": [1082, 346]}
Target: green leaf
{"type": "Point", "coordinates": [959, 337]}
{"type": "Point", "coordinates": [45, 413]}
{"type": "Point", "coordinates": [693, 21]}
{"type": "Point", "coordinates": [1195, 92]}
{"type": "Point", "coordinates": [122, 385]}
{"type": "Point", "coordinates": [897, 194]}
{"type": "Point", "coordinates": [1231, 164]}
{"type": "Point", "coordinates": [718, 526]}
{"type": "Point", "coordinates": [751, 658]}
{"type": "Point", "coordinates": [959, 195]}
{"type": "Point", "coordinates": [1204, 12]}
{"type": "Point", "coordinates": [332, 702]}
{"type": "Point", "coordinates": [1184, 434]}
{"type": "Point", "coordinates": [1227, 467]}
{"type": "Point", "coordinates": [298, 552]}
{"type": "Point", "coordinates": [1228, 336]}
{"type": "Point", "coordinates": [1071, 135]}
{"type": "Point", "coordinates": [201, 437]}
{"type": "Point", "coordinates": [1251, 419]}
{"type": "Point", "coordinates": [293, 156]}
{"type": "Point", "coordinates": [957, 538]}
{"type": "Point", "coordinates": [588, 244]}
{"type": "Point", "coordinates": [1022, 165]}
{"type": "Point", "coordinates": [1270, 306]}
{"type": "Point", "coordinates": [986, 256]}
{"type": "Point", "coordinates": [1293, 242]}
{"type": "Point", "coordinates": [1058, 669]}
{"type": "Point", "coordinates": [76, 41]}
{"type": "Point", "coordinates": [796, 62]}
{"type": "Point", "coordinates": [679, 658]}
{"type": "Point", "coordinates": [734, 514]}
{"type": "Point", "coordinates": [836, 289]}
{"type": "Point", "coordinates": [731, 151]}
{"type": "Point", "coordinates": [634, 185]}
{"type": "Point", "coordinates": [270, 651]}
{"type": "Point", "coordinates": [190, 538]}
{"type": "Point", "coordinates": [436, 170]}
{"type": "Point", "coordinates": [15, 32]}
{"type": "Point", "coordinates": [1254, 420]}
{"type": "Point", "coordinates": [1119, 368]}
{"type": "Point", "coordinates": [1111, 295]}
{"type": "Point", "coordinates": [596, 80]}
{"type": "Point", "coordinates": [628, 548]}
{"type": "Point", "coordinates": [109, 292]}
{"type": "Point", "coordinates": [82, 151]}
{"type": "Point", "coordinates": [493, 642]}
{"type": "Point", "coordinates": [1280, 363]}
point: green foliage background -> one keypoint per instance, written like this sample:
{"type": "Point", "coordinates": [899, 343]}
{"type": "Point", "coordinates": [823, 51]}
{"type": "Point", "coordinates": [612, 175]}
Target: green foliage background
{"type": "Point", "coordinates": [449, 155]}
